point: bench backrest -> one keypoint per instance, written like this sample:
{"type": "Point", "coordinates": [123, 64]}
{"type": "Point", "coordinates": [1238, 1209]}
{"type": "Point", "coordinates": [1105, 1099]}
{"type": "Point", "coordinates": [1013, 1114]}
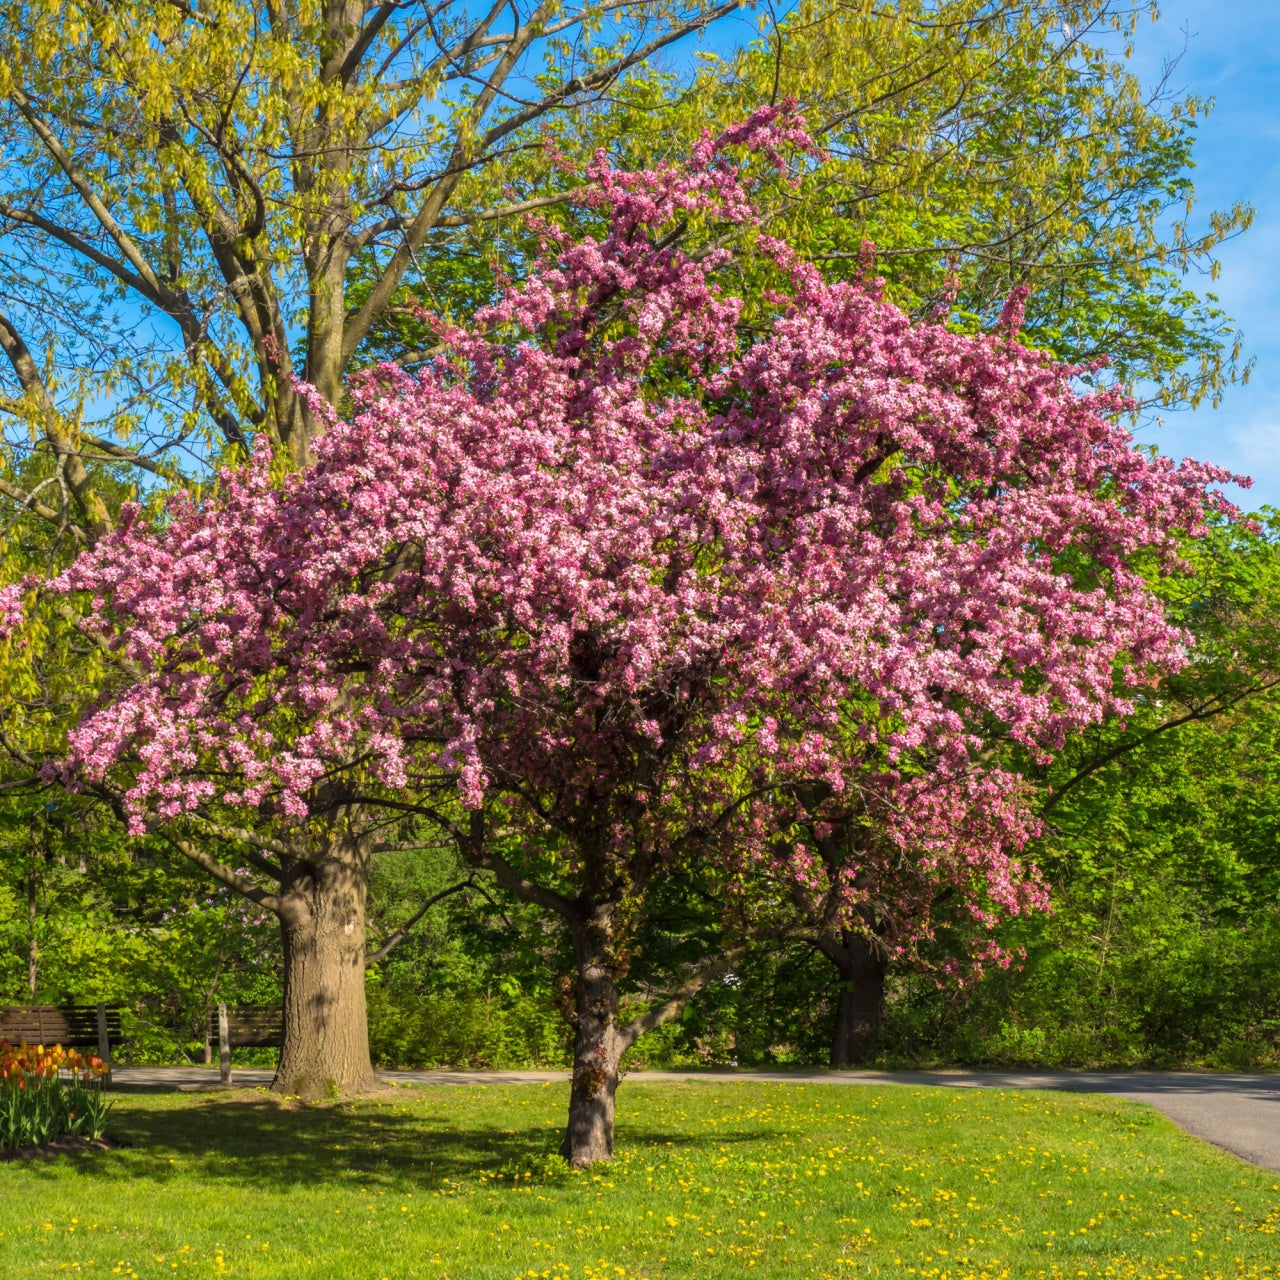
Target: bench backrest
{"type": "Point", "coordinates": [251, 1025]}
{"type": "Point", "coordinates": [73, 1026]}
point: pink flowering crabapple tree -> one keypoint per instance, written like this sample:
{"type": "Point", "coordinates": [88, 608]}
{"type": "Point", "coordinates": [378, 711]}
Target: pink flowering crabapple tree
{"type": "Point", "coordinates": [626, 577]}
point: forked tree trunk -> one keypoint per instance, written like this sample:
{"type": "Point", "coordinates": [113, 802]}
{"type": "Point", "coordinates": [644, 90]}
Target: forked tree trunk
{"type": "Point", "coordinates": [597, 1044]}
{"type": "Point", "coordinates": [861, 1003]}
{"type": "Point", "coordinates": [326, 1027]}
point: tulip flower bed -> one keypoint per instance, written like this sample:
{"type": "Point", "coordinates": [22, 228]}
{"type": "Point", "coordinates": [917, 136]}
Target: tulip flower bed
{"type": "Point", "coordinates": [49, 1093]}
{"type": "Point", "coordinates": [711, 1180]}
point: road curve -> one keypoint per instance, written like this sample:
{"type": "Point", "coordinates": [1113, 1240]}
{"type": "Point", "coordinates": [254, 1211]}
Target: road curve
{"type": "Point", "coordinates": [1239, 1112]}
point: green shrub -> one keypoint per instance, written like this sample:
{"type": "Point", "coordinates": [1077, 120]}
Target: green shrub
{"type": "Point", "coordinates": [465, 1030]}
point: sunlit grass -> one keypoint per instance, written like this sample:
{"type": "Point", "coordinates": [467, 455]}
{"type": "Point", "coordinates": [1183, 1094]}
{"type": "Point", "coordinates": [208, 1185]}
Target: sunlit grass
{"type": "Point", "coordinates": [711, 1180]}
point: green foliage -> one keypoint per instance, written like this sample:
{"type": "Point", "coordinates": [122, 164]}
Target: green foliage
{"type": "Point", "coordinates": [87, 916]}
{"type": "Point", "coordinates": [469, 1029]}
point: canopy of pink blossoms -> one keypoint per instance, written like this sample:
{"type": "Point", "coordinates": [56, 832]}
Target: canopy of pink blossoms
{"type": "Point", "coordinates": [618, 552]}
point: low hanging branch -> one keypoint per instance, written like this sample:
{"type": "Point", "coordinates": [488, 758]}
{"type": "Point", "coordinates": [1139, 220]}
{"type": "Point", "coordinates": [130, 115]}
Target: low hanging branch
{"type": "Point", "coordinates": [699, 976]}
{"type": "Point", "coordinates": [402, 932]}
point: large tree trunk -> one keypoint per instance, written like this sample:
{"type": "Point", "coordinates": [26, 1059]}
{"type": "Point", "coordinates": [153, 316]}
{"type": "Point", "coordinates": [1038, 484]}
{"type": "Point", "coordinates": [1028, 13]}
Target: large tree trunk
{"type": "Point", "coordinates": [326, 1028]}
{"type": "Point", "coordinates": [862, 973]}
{"type": "Point", "coordinates": [597, 1044]}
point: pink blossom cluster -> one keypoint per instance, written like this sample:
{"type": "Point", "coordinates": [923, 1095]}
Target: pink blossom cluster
{"type": "Point", "coordinates": [618, 561]}
{"type": "Point", "coordinates": [908, 861]}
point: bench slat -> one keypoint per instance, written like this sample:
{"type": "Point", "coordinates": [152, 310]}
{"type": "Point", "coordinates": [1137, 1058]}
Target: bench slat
{"type": "Point", "coordinates": [251, 1026]}
{"type": "Point", "coordinates": [75, 1026]}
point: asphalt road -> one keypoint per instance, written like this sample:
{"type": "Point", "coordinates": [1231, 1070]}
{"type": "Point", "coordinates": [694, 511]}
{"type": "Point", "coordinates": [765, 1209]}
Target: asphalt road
{"type": "Point", "coordinates": [1240, 1113]}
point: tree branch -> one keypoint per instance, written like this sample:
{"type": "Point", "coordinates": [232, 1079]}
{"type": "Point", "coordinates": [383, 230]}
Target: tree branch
{"type": "Point", "coordinates": [244, 836]}
{"type": "Point", "coordinates": [1199, 713]}
{"type": "Point", "coordinates": [158, 827]}
{"type": "Point", "coordinates": [87, 499]}
{"type": "Point", "coordinates": [388, 282]}
{"type": "Point", "coordinates": [401, 933]}
{"type": "Point", "coordinates": [703, 973]}
{"type": "Point", "coordinates": [33, 504]}
{"type": "Point", "coordinates": [209, 864]}
{"type": "Point", "coordinates": [603, 75]}
{"type": "Point", "coordinates": [118, 452]}
{"type": "Point", "coordinates": [133, 255]}
{"type": "Point", "coordinates": [472, 846]}
{"type": "Point", "coordinates": [99, 641]}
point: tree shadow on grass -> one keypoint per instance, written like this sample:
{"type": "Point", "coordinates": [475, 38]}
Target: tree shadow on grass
{"type": "Point", "coordinates": [258, 1141]}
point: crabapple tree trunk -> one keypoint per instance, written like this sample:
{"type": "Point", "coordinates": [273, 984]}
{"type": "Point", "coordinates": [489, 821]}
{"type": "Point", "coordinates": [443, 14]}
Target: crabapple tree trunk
{"type": "Point", "coordinates": [598, 1042]}
{"type": "Point", "coordinates": [322, 920]}
{"type": "Point", "coordinates": [858, 1012]}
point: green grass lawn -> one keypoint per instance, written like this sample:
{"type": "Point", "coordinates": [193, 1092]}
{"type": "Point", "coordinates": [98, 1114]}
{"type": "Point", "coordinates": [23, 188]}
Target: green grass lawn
{"type": "Point", "coordinates": [711, 1180]}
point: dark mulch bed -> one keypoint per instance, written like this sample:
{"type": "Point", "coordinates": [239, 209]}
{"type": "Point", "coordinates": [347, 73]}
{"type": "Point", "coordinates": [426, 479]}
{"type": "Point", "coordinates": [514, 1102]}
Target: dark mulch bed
{"type": "Point", "coordinates": [59, 1147]}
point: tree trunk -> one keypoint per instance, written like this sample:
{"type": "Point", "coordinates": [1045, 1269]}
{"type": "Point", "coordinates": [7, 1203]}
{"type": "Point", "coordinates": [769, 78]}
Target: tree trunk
{"type": "Point", "coordinates": [326, 1029]}
{"type": "Point", "coordinates": [597, 1044]}
{"type": "Point", "coordinates": [862, 973]}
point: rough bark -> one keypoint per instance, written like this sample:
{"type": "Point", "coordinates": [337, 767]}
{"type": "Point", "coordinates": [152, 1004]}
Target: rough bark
{"type": "Point", "coordinates": [858, 1012]}
{"type": "Point", "coordinates": [597, 1045]}
{"type": "Point", "coordinates": [326, 1031]}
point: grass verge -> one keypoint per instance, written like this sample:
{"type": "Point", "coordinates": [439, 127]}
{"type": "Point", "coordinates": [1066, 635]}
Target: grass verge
{"type": "Point", "coordinates": [715, 1181]}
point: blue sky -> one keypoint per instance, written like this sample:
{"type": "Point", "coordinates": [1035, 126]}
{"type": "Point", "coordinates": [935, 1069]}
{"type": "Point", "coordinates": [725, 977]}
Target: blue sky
{"type": "Point", "coordinates": [1233, 56]}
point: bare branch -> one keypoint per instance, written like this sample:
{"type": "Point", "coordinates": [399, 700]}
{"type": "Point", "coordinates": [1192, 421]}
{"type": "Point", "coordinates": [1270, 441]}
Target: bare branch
{"type": "Point", "coordinates": [121, 238]}
{"type": "Point", "coordinates": [370, 233]}
{"type": "Point", "coordinates": [118, 452]}
{"type": "Point", "coordinates": [604, 75]}
{"type": "Point", "coordinates": [369, 33]}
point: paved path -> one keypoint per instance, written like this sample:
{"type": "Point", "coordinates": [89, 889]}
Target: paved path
{"type": "Point", "coordinates": [1238, 1112]}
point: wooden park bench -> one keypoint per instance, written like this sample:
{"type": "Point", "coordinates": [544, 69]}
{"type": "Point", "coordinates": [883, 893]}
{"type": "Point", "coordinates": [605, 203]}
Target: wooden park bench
{"type": "Point", "coordinates": [74, 1026]}
{"type": "Point", "coordinates": [245, 1026]}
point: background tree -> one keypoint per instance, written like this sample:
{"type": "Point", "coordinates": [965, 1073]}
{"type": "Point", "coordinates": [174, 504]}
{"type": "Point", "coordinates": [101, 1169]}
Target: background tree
{"type": "Point", "coordinates": [213, 169]}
